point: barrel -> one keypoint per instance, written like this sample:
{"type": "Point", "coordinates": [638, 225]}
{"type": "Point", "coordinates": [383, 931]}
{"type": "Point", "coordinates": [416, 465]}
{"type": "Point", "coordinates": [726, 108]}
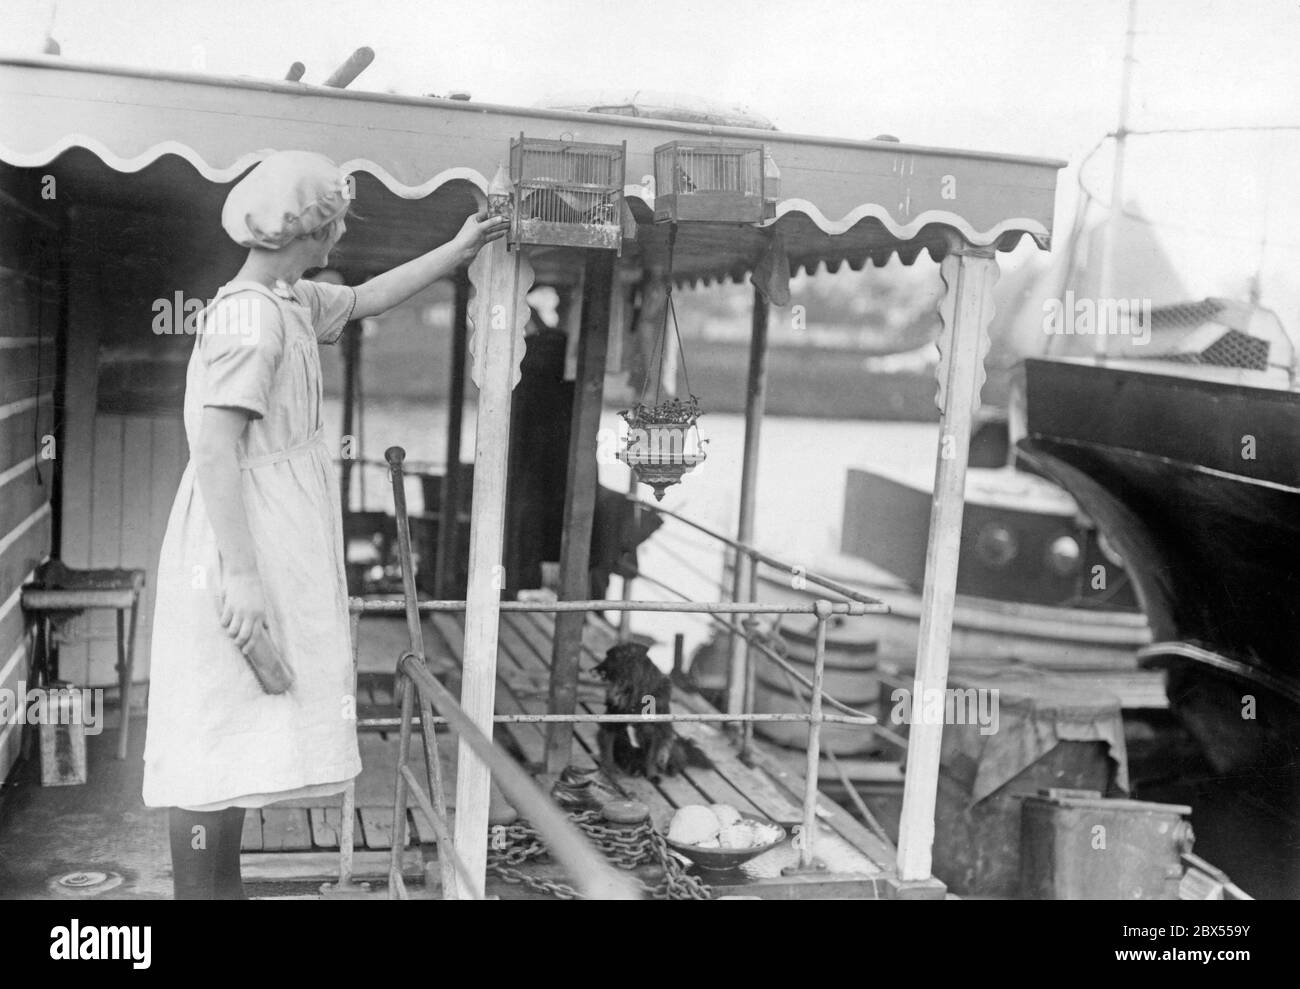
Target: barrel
{"type": "Point", "coordinates": [850, 677]}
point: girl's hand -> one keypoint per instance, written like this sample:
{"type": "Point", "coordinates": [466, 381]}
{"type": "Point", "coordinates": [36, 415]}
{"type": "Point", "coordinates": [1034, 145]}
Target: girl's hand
{"type": "Point", "coordinates": [243, 608]}
{"type": "Point", "coordinates": [478, 231]}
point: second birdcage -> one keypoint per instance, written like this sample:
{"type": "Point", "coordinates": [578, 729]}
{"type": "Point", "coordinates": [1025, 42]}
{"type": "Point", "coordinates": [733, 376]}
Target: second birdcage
{"type": "Point", "coordinates": [720, 183]}
{"type": "Point", "coordinates": [567, 193]}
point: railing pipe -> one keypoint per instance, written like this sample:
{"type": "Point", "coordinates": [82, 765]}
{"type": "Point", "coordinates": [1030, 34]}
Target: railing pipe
{"type": "Point", "coordinates": [813, 765]}
{"type": "Point", "coordinates": [812, 577]}
{"type": "Point", "coordinates": [596, 878]}
{"type": "Point", "coordinates": [442, 828]}
{"type": "Point", "coordinates": [853, 608]}
{"type": "Point", "coordinates": [577, 718]}
{"type": "Point", "coordinates": [433, 764]}
{"type": "Point", "coordinates": [396, 886]}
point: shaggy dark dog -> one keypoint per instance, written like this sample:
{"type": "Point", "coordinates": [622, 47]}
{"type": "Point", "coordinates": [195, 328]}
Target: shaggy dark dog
{"type": "Point", "coordinates": [636, 686]}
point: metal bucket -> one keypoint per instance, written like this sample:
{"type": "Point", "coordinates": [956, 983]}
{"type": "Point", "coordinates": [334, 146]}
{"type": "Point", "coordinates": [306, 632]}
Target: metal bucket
{"type": "Point", "coordinates": [850, 677]}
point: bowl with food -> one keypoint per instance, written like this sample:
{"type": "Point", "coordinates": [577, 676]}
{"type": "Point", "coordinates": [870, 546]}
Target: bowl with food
{"type": "Point", "coordinates": [719, 837]}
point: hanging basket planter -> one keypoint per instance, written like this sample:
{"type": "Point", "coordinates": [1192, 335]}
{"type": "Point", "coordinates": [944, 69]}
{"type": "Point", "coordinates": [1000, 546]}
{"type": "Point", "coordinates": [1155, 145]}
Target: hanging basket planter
{"type": "Point", "coordinates": [663, 442]}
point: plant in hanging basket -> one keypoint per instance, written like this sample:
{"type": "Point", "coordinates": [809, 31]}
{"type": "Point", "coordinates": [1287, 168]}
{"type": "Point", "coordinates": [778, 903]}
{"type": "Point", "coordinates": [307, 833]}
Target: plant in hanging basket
{"type": "Point", "coordinates": [663, 442]}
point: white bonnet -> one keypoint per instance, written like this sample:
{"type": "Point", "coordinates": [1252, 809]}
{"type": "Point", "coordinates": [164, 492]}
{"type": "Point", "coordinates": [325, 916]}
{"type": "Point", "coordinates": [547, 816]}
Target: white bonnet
{"type": "Point", "coordinates": [287, 195]}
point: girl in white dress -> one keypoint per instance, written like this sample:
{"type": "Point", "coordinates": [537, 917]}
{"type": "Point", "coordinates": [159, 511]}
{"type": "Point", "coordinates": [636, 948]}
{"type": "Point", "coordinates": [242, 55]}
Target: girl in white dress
{"type": "Point", "coordinates": [254, 542]}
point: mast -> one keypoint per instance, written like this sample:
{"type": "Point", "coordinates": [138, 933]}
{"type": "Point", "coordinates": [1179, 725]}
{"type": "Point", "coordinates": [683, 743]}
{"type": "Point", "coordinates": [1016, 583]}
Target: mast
{"type": "Point", "coordinates": [1107, 281]}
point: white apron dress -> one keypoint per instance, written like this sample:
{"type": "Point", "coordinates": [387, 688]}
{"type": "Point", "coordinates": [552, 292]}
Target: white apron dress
{"type": "Point", "coordinates": [214, 738]}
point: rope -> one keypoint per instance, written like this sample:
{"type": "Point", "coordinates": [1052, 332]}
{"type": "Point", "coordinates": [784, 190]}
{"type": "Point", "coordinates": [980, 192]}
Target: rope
{"type": "Point", "coordinates": [661, 347]}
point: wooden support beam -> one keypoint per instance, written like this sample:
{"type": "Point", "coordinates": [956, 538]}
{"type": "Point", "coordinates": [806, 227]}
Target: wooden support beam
{"type": "Point", "coordinates": [649, 329]}
{"type": "Point", "coordinates": [739, 678]}
{"type": "Point", "coordinates": [498, 312]}
{"type": "Point", "coordinates": [579, 501]}
{"type": "Point", "coordinates": [966, 310]}
{"type": "Point", "coordinates": [448, 521]}
{"type": "Point", "coordinates": [351, 360]}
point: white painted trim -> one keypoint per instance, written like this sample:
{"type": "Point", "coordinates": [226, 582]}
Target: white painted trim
{"type": "Point", "coordinates": [17, 470]}
{"type": "Point", "coordinates": [19, 653]}
{"type": "Point", "coordinates": [12, 601]}
{"type": "Point", "coordinates": [21, 528]}
{"type": "Point", "coordinates": [905, 231]}
{"type": "Point", "coordinates": [121, 163]}
{"type": "Point", "coordinates": [23, 404]}
{"type": "Point", "coordinates": [134, 163]}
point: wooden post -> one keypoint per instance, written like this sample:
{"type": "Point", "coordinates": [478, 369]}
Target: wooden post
{"type": "Point", "coordinates": [966, 310]}
{"type": "Point", "coordinates": [738, 672]}
{"type": "Point", "coordinates": [625, 617]}
{"type": "Point", "coordinates": [498, 312]}
{"type": "Point", "coordinates": [449, 520]}
{"type": "Point", "coordinates": [351, 357]}
{"type": "Point", "coordinates": [579, 502]}
{"type": "Point", "coordinates": [649, 326]}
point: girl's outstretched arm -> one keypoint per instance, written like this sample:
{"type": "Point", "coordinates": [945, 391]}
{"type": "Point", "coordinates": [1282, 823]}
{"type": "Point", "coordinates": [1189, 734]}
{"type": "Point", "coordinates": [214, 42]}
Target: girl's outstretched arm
{"type": "Point", "coordinates": [216, 468]}
{"type": "Point", "coordinates": [384, 291]}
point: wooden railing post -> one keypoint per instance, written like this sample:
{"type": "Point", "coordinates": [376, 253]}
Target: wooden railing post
{"type": "Point", "coordinates": [579, 501]}
{"type": "Point", "coordinates": [498, 313]}
{"type": "Point", "coordinates": [966, 310]}
{"type": "Point", "coordinates": [449, 516]}
{"type": "Point", "coordinates": [740, 688]}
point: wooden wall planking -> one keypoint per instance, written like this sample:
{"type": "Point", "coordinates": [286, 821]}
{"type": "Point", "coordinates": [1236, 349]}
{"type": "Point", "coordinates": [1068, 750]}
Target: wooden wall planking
{"type": "Point", "coordinates": [137, 463]}
{"type": "Point", "coordinates": [28, 321]}
{"type": "Point", "coordinates": [13, 668]}
{"type": "Point", "coordinates": [120, 478]}
{"type": "Point", "coordinates": [27, 369]}
{"type": "Point", "coordinates": [78, 426]}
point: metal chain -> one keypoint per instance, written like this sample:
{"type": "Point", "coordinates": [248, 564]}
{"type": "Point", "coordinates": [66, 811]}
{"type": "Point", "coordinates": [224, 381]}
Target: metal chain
{"type": "Point", "coordinates": [626, 847]}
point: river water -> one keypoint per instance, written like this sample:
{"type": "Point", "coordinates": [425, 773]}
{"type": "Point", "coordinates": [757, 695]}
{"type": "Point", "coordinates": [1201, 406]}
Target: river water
{"type": "Point", "coordinates": [800, 496]}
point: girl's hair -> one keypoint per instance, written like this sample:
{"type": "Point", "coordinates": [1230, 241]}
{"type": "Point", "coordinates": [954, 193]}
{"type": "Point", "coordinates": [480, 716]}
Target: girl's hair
{"type": "Point", "coordinates": [320, 233]}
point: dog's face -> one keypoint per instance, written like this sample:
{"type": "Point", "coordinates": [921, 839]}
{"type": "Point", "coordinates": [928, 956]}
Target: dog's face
{"type": "Point", "coordinates": [631, 676]}
{"type": "Point", "coordinates": [623, 661]}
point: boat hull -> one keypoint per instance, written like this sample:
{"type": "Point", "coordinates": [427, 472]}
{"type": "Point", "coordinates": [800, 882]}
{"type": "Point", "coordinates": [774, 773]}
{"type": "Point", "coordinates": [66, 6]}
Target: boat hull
{"type": "Point", "coordinates": [984, 631]}
{"type": "Point", "coordinates": [1197, 483]}
{"type": "Point", "coordinates": [1194, 476]}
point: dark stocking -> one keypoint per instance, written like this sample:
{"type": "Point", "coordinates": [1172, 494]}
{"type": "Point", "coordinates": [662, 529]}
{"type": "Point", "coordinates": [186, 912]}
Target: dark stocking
{"type": "Point", "coordinates": [195, 840]}
{"type": "Point", "coordinates": [205, 853]}
{"type": "Point", "coordinates": [229, 882]}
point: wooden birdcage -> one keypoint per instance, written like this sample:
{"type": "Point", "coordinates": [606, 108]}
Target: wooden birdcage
{"type": "Point", "coordinates": [719, 183]}
{"type": "Point", "coordinates": [567, 193]}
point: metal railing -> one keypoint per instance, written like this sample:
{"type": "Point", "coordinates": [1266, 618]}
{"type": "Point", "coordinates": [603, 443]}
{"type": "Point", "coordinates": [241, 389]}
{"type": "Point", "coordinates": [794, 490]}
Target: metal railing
{"type": "Point", "coordinates": [415, 684]}
{"type": "Point", "coordinates": [754, 643]}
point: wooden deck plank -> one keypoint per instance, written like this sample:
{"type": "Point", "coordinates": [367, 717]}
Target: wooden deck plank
{"type": "Point", "coordinates": [324, 866]}
{"type": "Point", "coordinates": [677, 792]}
{"type": "Point", "coordinates": [586, 753]}
{"type": "Point", "coordinates": [379, 757]}
{"type": "Point", "coordinates": [769, 768]}
{"type": "Point", "coordinates": [327, 826]}
{"type": "Point", "coordinates": [377, 827]}
{"type": "Point", "coordinates": [530, 739]}
{"type": "Point", "coordinates": [775, 784]}
{"type": "Point", "coordinates": [728, 780]}
{"type": "Point", "coordinates": [424, 832]}
{"type": "Point", "coordinates": [285, 829]}
{"type": "Point", "coordinates": [779, 802]}
{"type": "Point", "coordinates": [680, 791]}
{"type": "Point", "coordinates": [523, 674]}
{"type": "Point", "coordinates": [591, 688]}
{"type": "Point", "coordinates": [720, 790]}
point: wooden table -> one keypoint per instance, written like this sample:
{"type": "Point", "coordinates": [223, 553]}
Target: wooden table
{"type": "Point", "coordinates": [59, 593]}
